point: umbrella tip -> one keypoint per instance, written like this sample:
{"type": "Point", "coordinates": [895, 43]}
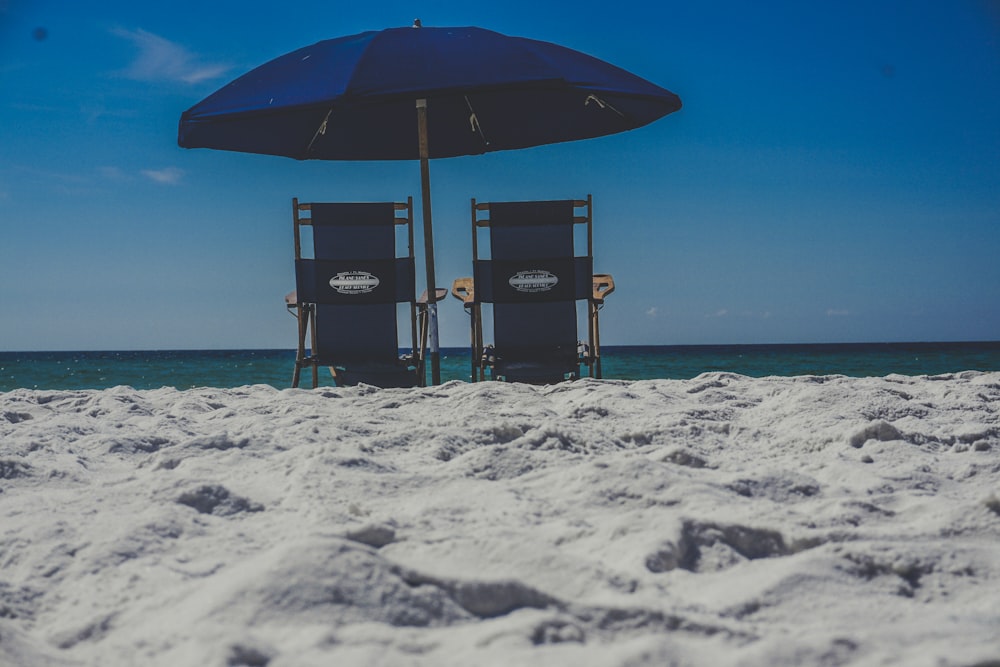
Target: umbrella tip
{"type": "Point", "coordinates": [416, 23]}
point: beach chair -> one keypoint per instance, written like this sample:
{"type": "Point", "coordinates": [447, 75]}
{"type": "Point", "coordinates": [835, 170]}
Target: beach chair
{"type": "Point", "coordinates": [349, 287]}
{"type": "Point", "coordinates": [533, 281]}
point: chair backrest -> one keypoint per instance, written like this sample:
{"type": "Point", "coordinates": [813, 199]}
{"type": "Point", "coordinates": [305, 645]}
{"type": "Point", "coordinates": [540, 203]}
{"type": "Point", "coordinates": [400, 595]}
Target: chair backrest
{"type": "Point", "coordinates": [354, 280]}
{"type": "Point", "coordinates": [533, 278]}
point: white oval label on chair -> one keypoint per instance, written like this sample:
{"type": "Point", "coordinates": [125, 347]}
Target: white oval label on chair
{"type": "Point", "coordinates": [354, 282]}
{"type": "Point", "coordinates": [536, 280]}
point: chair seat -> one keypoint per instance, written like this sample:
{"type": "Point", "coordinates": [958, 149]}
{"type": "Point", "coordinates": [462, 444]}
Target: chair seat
{"type": "Point", "coordinates": [379, 375]}
{"type": "Point", "coordinates": [534, 373]}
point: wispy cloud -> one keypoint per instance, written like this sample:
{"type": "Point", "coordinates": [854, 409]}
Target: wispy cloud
{"type": "Point", "coordinates": [95, 111]}
{"type": "Point", "coordinates": [159, 59]}
{"type": "Point", "coordinates": [166, 176]}
{"type": "Point", "coordinates": [722, 312]}
{"type": "Point", "coordinates": [90, 182]}
{"type": "Point", "coordinates": [37, 175]}
{"type": "Point", "coordinates": [837, 312]}
{"type": "Point", "coordinates": [756, 315]}
{"type": "Point", "coordinates": [651, 312]}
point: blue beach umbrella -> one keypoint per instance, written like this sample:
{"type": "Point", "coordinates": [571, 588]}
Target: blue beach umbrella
{"type": "Point", "coordinates": [420, 93]}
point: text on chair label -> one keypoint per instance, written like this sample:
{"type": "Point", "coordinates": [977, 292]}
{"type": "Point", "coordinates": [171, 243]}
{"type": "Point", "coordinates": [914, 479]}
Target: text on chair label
{"type": "Point", "coordinates": [354, 282]}
{"type": "Point", "coordinates": [533, 281]}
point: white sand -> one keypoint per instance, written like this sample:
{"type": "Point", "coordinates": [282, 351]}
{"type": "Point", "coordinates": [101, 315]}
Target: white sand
{"type": "Point", "coordinates": [717, 521]}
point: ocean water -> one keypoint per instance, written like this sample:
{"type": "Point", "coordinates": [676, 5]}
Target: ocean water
{"type": "Point", "coordinates": [185, 369]}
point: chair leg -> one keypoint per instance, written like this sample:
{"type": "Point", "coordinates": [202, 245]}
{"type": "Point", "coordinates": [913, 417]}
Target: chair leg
{"type": "Point", "coordinates": [297, 371]}
{"type": "Point", "coordinates": [475, 351]}
{"type": "Point", "coordinates": [424, 333]}
{"type": "Point", "coordinates": [477, 357]}
{"type": "Point", "coordinates": [312, 352]}
{"type": "Point", "coordinates": [300, 353]}
{"type": "Point", "coordinates": [595, 342]}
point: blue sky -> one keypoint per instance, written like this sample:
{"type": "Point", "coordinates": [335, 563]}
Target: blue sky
{"type": "Point", "coordinates": [834, 175]}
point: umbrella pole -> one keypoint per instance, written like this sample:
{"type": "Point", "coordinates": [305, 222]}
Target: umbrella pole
{"type": "Point", "coordinates": [425, 192]}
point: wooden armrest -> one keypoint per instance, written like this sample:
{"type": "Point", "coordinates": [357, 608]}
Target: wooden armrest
{"type": "Point", "coordinates": [463, 290]}
{"type": "Point", "coordinates": [439, 293]}
{"type": "Point", "coordinates": [604, 285]}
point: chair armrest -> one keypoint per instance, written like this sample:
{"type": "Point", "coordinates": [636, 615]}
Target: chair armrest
{"type": "Point", "coordinates": [604, 285]}
{"type": "Point", "coordinates": [292, 303]}
{"type": "Point", "coordinates": [439, 294]}
{"type": "Point", "coordinates": [463, 290]}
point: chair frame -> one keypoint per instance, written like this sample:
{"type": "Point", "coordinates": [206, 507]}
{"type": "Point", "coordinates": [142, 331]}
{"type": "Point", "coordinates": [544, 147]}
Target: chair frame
{"type": "Point", "coordinates": [603, 285]}
{"type": "Point", "coordinates": [305, 312]}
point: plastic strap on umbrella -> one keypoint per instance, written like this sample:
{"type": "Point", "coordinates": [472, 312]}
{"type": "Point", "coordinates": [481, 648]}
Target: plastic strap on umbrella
{"type": "Point", "coordinates": [474, 121]}
{"type": "Point", "coordinates": [321, 130]}
{"type": "Point", "coordinates": [601, 103]}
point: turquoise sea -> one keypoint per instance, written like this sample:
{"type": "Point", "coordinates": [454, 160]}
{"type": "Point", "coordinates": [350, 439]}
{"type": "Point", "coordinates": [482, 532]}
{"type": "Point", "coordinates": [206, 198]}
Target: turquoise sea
{"type": "Point", "coordinates": [185, 369]}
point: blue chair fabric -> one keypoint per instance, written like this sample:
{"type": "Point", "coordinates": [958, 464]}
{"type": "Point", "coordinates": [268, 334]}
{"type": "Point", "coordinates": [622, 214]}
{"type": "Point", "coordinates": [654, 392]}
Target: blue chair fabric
{"type": "Point", "coordinates": [348, 290]}
{"type": "Point", "coordinates": [533, 280]}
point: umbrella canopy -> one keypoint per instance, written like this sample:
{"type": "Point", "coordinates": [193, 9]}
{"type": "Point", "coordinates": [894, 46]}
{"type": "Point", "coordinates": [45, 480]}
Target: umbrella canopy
{"type": "Point", "coordinates": [352, 98]}
{"type": "Point", "coordinates": [470, 90]}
